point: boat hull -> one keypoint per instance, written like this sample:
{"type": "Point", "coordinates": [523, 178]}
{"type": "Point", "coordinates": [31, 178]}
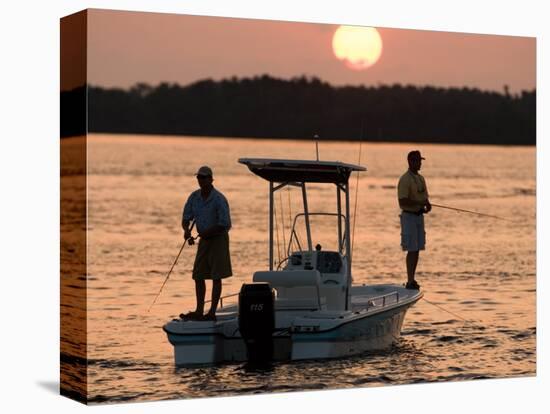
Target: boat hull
{"type": "Point", "coordinates": [202, 350]}
{"type": "Point", "coordinates": [359, 333]}
{"type": "Point", "coordinates": [369, 333]}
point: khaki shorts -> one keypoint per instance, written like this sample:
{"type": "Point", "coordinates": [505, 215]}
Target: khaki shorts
{"type": "Point", "coordinates": [213, 260]}
{"type": "Point", "coordinates": [413, 236]}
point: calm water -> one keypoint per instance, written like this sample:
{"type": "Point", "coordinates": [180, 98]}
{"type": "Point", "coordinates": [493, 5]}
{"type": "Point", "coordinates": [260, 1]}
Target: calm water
{"type": "Point", "coordinates": [478, 268]}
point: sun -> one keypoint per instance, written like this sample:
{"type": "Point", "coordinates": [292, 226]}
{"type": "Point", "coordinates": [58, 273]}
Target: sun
{"type": "Point", "coordinates": [359, 47]}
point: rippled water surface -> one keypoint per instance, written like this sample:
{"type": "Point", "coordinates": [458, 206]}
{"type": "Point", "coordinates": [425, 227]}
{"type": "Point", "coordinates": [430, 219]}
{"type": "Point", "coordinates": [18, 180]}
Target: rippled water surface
{"type": "Point", "coordinates": [478, 273]}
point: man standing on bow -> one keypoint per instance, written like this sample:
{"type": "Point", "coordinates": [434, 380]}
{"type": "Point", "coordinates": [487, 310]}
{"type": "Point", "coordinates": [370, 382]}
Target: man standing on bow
{"type": "Point", "coordinates": [210, 210]}
{"type": "Point", "coordinates": [412, 193]}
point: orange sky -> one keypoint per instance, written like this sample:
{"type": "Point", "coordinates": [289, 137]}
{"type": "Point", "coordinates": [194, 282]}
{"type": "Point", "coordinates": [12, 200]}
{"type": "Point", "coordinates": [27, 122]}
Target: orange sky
{"type": "Point", "coordinates": [130, 47]}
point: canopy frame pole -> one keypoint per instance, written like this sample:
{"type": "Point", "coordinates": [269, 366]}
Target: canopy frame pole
{"type": "Point", "coordinates": [306, 213]}
{"type": "Point", "coordinates": [271, 191]}
{"type": "Point", "coordinates": [339, 211]}
{"type": "Point", "coordinates": [348, 246]}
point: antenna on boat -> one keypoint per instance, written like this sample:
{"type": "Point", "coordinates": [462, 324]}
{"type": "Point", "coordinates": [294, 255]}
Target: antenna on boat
{"type": "Point", "coordinates": [316, 137]}
{"type": "Point", "coordinates": [357, 187]}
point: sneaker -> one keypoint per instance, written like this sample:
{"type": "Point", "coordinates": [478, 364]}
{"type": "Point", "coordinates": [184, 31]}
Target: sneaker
{"type": "Point", "coordinates": [191, 316]}
{"type": "Point", "coordinates": [412, 285]}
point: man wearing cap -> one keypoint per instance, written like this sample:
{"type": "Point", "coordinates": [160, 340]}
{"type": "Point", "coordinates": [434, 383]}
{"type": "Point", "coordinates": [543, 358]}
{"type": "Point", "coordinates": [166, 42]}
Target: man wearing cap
{"type": "Point", "coordinates": [210, 210]}
{"type": "Point", "coordinates": [412, 193]}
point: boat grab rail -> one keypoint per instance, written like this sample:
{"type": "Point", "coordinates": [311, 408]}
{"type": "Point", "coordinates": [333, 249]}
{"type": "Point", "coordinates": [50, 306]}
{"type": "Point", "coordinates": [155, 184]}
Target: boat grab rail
{"type": "Point", "coordinates": [222, 298]}
{"type": "Point", "coordinates": [370, 302]}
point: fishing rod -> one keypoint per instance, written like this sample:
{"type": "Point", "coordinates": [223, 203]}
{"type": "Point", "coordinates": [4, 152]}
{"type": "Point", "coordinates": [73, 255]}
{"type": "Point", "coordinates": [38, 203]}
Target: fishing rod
{"type": "Point", "coordinates": [172, 268]}
{"type": "Point", "coordinates": [471, 212]}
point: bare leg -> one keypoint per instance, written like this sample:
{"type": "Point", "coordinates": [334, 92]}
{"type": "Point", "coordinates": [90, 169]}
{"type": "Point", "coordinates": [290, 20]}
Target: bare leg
{"type": "Point", "coordinates": [200, 291]}
{"type": "Point", "coordinates": [412, 261]}
{"type": "Point", "coordinates": [216, 294]}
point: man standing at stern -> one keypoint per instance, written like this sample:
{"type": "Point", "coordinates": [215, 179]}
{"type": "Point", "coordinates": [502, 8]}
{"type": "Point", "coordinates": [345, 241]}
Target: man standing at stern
{"type": "Point", "coordinates": [210, 210]}
{"type": "Point", "coordinates": [412, 193]}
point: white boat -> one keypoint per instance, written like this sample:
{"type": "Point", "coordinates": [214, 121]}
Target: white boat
{"type": "Point", "coordinates": [304, 306]}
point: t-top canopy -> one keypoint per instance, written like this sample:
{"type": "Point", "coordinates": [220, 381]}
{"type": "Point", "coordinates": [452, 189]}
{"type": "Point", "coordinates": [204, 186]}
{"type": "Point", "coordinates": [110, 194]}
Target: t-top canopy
{"type": "Point", "coordinates": [281, 171]}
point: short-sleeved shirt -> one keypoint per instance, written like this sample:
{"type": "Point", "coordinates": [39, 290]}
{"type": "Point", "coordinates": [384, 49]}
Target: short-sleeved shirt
{"type": "Point", "coordinates": [412, 186]}
{"type": "Point", "coordinates": [207, 213]}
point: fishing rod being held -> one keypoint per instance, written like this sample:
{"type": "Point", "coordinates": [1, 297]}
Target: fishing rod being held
{"type": "Point", "coordinates": [471, 212]}
{"type": "Point", "coordinates": [191, 242]}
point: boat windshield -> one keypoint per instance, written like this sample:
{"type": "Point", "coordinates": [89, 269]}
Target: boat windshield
{"type": "Point", "coordinates": [326, 235]}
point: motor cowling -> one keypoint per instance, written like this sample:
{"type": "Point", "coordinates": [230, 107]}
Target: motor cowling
{"type": "Point", "coordinates": [257, 320]}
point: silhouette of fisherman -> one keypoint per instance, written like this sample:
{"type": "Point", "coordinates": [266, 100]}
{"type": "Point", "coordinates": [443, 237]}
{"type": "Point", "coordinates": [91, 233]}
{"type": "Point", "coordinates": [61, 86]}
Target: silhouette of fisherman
{"type": "Point", "coordinates": [210, 210]}
{"type": "Point", "coordinates": [412, 193]}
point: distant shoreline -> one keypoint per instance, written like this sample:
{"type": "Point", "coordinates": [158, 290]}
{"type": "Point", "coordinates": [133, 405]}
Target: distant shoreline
{"type": "Point", "coordinates": [264, 107]}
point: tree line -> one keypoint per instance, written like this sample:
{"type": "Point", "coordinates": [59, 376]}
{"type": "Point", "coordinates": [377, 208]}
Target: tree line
{"type": "Point", "coordinates": [299, 108]}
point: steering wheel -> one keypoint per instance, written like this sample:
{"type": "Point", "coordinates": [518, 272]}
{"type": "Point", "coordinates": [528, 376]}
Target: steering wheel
{"type": "Point", "coordinates": [282, 261]}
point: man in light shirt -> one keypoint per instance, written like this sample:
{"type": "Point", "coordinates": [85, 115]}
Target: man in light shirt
{"type": "Point", "coordinates": [412, 194]}
{"type": "Point", "coordinates": [210, 210]}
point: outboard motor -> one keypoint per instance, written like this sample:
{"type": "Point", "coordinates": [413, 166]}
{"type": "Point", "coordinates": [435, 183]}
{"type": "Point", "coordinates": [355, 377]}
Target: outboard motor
{"type": "Point", "coordinates": [257, 320]}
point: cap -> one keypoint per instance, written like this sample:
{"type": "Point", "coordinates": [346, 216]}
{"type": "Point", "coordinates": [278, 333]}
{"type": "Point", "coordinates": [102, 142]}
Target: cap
{"type": "Point", "coordinates": [205, 170]}
{"type": "Point", "coordinates": [415, 155]}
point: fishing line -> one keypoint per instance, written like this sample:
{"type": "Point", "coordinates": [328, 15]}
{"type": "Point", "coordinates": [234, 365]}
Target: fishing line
{"type": "Point", "coordinates": [452, 313]}
{"type": "Point", "coordinates": [297, 242]}
{"type": "Point", "coordinates": [290, 242]}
